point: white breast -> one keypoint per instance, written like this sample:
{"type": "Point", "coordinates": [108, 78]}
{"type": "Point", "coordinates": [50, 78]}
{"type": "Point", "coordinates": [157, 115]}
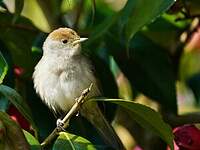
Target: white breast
{"type": "Point", "coordinates": [58, 86]}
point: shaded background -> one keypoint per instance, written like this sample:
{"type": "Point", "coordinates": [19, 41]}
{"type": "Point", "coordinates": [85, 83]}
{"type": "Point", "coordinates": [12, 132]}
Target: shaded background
{"type": "Point", "coordinates": [143, 51]}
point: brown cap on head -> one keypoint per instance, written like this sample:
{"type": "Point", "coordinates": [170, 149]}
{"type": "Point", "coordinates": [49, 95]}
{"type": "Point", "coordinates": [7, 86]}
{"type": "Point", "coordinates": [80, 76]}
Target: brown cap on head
{"type": "Point", "coordinates": [63, 33]}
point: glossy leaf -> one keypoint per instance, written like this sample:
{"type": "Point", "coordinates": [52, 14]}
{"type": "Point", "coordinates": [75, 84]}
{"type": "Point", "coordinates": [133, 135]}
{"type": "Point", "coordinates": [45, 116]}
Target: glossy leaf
{"type": "Point", "coordinates": [146, 117]}
{"type": "Point", "coordinates": [33, 142]}
{"type": "Point", "coordinates": [72, 142]}
{"type": "Point", "coordinates": [3, 67]}
{"type": "Point", "coordinates": [18, 102]}
{"type": "Point", "coordinates": [138, 13]}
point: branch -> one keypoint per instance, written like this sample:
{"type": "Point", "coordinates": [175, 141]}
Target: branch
{"type": "Point", "coordinates": [75, 108]}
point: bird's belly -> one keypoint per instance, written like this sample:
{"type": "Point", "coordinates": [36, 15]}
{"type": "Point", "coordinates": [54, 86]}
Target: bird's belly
{"type": "Point", "coordinates": [50, 91]}
{"type": "Point", "coordinates": [59, 89]}
{"type": "Point", "coordinates": [71, 89]}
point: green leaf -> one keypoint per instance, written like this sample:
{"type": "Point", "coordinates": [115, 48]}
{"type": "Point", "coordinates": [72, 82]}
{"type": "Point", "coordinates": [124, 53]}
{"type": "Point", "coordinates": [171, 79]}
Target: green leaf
{"type": "Point", "coordinates": [138, 13]}
{"type": "Point", "coordinates": [148, 68]}
{"type": "Point", "coordinates": [100, 30]}
{"type": "Point", "coordinates": [4, 103]}
{"type": "Point", "coordinates": [18, 102]}
{"type": "Point", "coordinates": [19, 4]}
{"type": "Point", "coordinates": [163, 28]}
{"type": "Point", "coordinates": [33, 142]}
{"type": "Point", "coordinates": [147, 118]}
{"type": "Point", "coordinates": [18, 38]}
{"type": "Point", "coordinates": [72, 142]}
{"type": "Point", "coordinates": [3, 67]}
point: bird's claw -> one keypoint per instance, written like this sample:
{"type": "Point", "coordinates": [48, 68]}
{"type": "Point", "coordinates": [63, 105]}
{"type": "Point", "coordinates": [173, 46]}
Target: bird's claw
{"type": "Point", "coordinates": [60, 125]}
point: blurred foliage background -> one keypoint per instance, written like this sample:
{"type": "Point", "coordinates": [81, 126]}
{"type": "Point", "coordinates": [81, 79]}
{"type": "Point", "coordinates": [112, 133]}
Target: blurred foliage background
{"type": "Point", "coordinates": [143, 51]}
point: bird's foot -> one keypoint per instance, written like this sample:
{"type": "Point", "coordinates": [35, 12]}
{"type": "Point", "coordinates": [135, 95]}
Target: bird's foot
{"type": "Point", "coordinates": [60, 125]}
{"type": "Point", "coordinates": [76, 100]}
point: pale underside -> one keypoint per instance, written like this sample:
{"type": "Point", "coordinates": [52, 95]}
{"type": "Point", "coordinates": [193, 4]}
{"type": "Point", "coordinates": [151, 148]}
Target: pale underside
{"type": "Point", "coordinates": [58, 85]}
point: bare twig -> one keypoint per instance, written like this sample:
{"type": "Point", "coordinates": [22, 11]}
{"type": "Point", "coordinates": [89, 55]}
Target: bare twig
{"type": "Point", "coordinates": [75, 108]}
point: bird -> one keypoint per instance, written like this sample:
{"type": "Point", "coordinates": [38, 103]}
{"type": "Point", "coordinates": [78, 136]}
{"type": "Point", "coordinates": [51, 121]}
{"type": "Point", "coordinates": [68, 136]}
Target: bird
{"type": "Point", "coordinates": [63, 73]}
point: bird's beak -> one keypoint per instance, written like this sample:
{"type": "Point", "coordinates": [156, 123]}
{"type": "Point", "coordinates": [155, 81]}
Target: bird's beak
{"type": "Point", "coordinates": [79, 41]}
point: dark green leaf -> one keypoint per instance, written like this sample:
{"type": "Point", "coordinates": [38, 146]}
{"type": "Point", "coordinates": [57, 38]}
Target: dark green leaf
{"type": "Point", "coordinates": [148, 67]}
{"type": "Point", "coordinates": [18, 38]}
{"type": "Point", "coordinates": [102, 28]}
{"type": "Point", "coordinates": [18, 102]}
{"type": "Point", "coordinates": [33, 142]}
{"type": "Point", "coordinates": [4, 103]}
{"type": "Point", "coordinates": [19, 4]}
{"type": "Point", "coordinates": [138, 13]}
{"type": "Point", "coordinates": [72, 142]}
{"type": "Point", "coordinates": [165, 29]}
{"type": "Point", "coordinates": [147, 118]}
{"type": "Point", "coordinates": [3, 67]}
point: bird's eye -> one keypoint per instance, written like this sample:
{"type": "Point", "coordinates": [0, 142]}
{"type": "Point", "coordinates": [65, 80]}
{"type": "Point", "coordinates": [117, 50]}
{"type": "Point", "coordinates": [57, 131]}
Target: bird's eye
{"type": "Point", "coordinates": [64, 41]}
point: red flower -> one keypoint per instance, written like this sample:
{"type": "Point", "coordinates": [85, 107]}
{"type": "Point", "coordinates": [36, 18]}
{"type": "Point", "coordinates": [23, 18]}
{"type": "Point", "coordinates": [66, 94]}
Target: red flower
{"type": "Point", "coordinates": [16, 116]}
{"type": "Point", "coordinates": [187, 137]}
{"type": "Point", "coordinates": [18, 71]}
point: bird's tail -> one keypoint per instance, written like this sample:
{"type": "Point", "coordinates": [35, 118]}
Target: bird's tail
{"type": "Point", "coordinates": [92, 113]}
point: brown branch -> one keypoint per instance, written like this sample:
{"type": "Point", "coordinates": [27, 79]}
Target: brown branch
{"type": "Point", "coordinates": [74, 110]}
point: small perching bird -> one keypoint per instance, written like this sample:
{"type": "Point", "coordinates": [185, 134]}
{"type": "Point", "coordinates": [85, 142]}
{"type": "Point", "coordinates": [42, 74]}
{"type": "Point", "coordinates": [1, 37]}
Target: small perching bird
{"type": "Point", "coordinates": [63, 73]}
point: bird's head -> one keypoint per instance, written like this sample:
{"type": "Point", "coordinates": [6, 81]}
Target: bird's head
{"type": "Point", "coordinates": [63, 40]}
